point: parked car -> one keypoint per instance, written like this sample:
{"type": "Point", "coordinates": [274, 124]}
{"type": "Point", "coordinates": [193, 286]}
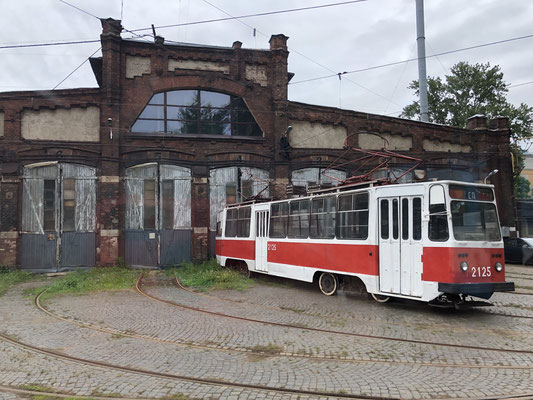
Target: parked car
{"type": "Point", "coordinates": [518, 250]}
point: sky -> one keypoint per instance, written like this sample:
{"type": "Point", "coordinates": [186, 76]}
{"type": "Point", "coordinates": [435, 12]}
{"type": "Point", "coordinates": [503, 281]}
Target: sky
{"type": "Point", "coordinates": [322, 42]}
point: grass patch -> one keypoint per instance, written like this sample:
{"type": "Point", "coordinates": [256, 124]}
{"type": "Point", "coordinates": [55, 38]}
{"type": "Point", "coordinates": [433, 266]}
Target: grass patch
{"type": "Point", "coordinates": [93, 280]}
{"type": "Point", "coordinates": [209, 275]}
{"type": "Point", "coordinates": [270, 349]}
{"type": "Point", "coordinates": [9, 278]}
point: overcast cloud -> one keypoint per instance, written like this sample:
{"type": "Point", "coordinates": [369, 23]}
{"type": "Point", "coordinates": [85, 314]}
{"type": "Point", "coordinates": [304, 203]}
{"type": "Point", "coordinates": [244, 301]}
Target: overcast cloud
{"type": "Point", "coordinates": [322, 42]}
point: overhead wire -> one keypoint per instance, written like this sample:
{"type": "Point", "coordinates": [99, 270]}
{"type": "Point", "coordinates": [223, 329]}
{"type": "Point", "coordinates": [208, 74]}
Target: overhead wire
{"type": "Point", "coordinates": [77, 68]}
{"type": "Point", "coordinates": [79, 9]}
{"type": "Point", "coordinates": [253, 15]}
{"type": "Point", "coordinates": [520, 84]}
{"type": "Point", "coordinates": [414, 59]}
{"type": "Point", "coordinates": [291, 49]}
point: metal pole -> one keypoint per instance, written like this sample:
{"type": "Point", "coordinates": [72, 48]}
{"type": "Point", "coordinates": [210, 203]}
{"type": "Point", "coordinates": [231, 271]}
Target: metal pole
{"type": "Point", "coordinates": [421, 45]}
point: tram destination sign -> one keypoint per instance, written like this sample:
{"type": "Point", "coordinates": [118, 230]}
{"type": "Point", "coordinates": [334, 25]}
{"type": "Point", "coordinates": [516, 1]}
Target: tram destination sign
{"type": "Point", "coordinates": [471, 193]}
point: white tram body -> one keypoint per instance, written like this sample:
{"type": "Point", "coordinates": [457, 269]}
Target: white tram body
{"type": "Point", "coordinates": [429, 241]}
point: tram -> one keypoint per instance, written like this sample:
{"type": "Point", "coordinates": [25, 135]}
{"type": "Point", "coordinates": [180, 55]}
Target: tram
{"type": "Point", "coordinates": [437, 242]}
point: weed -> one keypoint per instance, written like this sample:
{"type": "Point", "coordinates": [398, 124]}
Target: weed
{"type": "Point", "coordinates": [209, 275]}
{"type": "Point", "coordinates": [10, 277]}
{"type": "Point", "coordinates": [270, 349]}
{"type": "Point", "coordinates": [176, 396]}
{"type": "Point", "coordinates": [36, 388]}
{"type": "Point", "coordinates": [95, 279]}
{"type": "Point", "coordinates": [117, 336]}
{"type": "Point", "coordinates": [296, 310]}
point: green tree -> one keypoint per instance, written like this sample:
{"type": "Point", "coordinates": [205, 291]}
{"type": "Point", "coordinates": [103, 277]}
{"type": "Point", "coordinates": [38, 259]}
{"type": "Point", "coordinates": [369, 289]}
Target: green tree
{"type": "Point", "coordinates": [474, 89]}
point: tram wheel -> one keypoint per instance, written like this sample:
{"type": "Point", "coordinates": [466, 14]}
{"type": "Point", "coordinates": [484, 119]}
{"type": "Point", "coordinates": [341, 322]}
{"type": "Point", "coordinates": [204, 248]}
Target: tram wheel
{"type": "Point", "coordinates": [328, 283]}
{"type": "Point", "coordinates": [380, 298]}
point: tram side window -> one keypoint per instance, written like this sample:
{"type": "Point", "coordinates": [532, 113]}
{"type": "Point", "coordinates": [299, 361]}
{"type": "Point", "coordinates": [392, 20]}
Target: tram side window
{"type": "Point", "coordinates": [417, 218]}
{"type": "Point", "coordinates": [243, 222]}
{"type": "Point", "coordinates": [384, 219]}
{"type": "Point", "coordinates": [299, 219]}
{"type": "Point", "coordinates": [438, 216]}
{"type": "Point", "coordinates": [231, 222]}
{"type": "Point", "coordinates": [279, 215]}
{"type": "Point", "coordinates": [323, 218]}
{"type": "Point", "coordinates": [353, 216]}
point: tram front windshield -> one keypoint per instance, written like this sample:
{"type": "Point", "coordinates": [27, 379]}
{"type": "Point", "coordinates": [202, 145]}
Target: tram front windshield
{"type": "Point", "coordinates": [474, 220]}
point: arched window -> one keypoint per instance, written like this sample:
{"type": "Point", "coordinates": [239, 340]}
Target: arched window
{"type": "Point", "coordinates": [197, 112]}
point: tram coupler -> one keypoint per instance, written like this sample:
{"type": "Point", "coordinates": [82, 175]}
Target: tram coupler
{"type": "Point", "coordinates": [459, 302]}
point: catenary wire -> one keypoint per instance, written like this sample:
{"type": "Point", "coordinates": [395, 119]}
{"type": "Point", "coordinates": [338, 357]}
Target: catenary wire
{"type": "Point", "coordinates": [79, 9]}
{"type": "Point", "coordinates": [293, 50]}
{"type": "Point", "coordinates": [414, 59]}
{"type": "Point", "coordinates": [253, 15]}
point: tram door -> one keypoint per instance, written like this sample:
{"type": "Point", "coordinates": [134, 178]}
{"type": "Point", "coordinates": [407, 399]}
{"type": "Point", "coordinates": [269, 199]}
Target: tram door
{"type": "Point", "coordinates": [400, 245]}
{"type": "Point", "coordinates": [261, 240]}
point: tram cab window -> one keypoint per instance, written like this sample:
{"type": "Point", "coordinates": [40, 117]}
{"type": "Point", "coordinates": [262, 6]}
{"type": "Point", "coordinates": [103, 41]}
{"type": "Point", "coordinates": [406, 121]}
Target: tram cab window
{"type": "Point", "coordinates": [323, 212]}
{"type": "Point", "coordinates": [353, 216]}
{"type": "Point", "coordinates": [438, 216]}
{"type": "Point", "coordinates": [299, 219]}
{"type": "Point", "coordinates": [279, 215]}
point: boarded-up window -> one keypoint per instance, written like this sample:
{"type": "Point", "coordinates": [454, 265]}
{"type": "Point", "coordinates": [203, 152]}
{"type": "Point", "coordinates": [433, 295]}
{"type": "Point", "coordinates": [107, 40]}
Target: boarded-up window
{"type": "Point", "coordinates": [59, 196]}
{"type": "Point", "coordinates": [223, 184]}
{"type": "Point", "coordinates": [49, 205]}
{"type": "Point", "coordinates": [149, 204]}
{"type": "Point", "coordinates": [167, 193]}
{"type": "Point", "coordinates": [69, 205]}
{"type": "Point", "coordinates": [158, 197]}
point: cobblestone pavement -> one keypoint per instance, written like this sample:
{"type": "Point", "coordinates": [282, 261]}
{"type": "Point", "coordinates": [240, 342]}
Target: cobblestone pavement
{"type": "Point", "coordinates": [187, 343]}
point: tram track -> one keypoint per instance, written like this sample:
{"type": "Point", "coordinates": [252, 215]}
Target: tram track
{"type": "Point", "coordinates": [249, 352]}
{"type": "Point", "coordinates": [206, 381]}
{"type": "Point", "coordinates": [321, 330]}
{"type": "Point", "coordinates": [179, 377]}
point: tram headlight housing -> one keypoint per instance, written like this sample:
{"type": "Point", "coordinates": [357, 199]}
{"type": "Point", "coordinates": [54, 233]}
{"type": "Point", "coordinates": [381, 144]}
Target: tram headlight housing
{"type": "Point", "coordinates": [498, 267]}
{"type": "Point", "coordinates": [464, 266]}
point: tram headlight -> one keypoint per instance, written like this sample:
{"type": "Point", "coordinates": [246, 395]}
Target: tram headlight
{"type": "Point", "coordinates": [464, 266]}
{"type": "Point", "coordinates": [498, 266]}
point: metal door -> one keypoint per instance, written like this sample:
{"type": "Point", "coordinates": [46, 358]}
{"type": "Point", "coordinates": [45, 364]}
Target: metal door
{"type": "Point", "coordinates": [158, 215]}
{"type": "Point", "coordinates": [389, 245]}
{"type": "Point", "coordinates": [411, 246]}
{"type": "Point", "coordinates": [400, 245]}
{"type": "Point", "coordinates": [261, 240]}
{"type": "Point", "coordinates": [58, 217]}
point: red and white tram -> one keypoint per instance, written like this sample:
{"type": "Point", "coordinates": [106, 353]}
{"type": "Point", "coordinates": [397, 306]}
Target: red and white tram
{"type": "Point", "coordinates": [436, 242]}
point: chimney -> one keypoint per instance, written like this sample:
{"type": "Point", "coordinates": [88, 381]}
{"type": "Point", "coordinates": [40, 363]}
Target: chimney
{"type": "Point", "coordinates": [111, 27]}
{"type": "Point", "coordinates": [278, 42]}
{"type": "Point", "coordinates": [237, 45]}
{"type": "Point", "coordinates": [499, 123]}
{"type": "Point", "coordinates": [477, 122]}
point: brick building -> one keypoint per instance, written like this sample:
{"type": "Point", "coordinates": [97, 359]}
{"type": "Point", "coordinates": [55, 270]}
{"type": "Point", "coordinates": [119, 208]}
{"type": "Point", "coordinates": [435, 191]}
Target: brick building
{"type": "Point", "coordinates": [139, 167]}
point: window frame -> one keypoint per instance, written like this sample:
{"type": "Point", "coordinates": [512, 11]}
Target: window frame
{"type": "Point", "coordinates": [357, 213]}
{"type": "Point", "coordinates": [235, 119]}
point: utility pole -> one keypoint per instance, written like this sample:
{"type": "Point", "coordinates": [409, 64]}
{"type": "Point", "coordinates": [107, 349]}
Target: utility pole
{"type": "Point", "coordinates": [421, 46]}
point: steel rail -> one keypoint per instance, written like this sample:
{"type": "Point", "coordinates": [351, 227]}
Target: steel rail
{"type": "Point", "coordinates": [164, 375]}
{"type": "Point", "coordinates": [321, 330]}
{"type": "Point", "coordinates": [135, 335]}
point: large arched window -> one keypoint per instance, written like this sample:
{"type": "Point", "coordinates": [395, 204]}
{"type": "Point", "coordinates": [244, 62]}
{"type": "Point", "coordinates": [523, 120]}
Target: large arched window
{"type": "Point", "coordinates": [196, 112]}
